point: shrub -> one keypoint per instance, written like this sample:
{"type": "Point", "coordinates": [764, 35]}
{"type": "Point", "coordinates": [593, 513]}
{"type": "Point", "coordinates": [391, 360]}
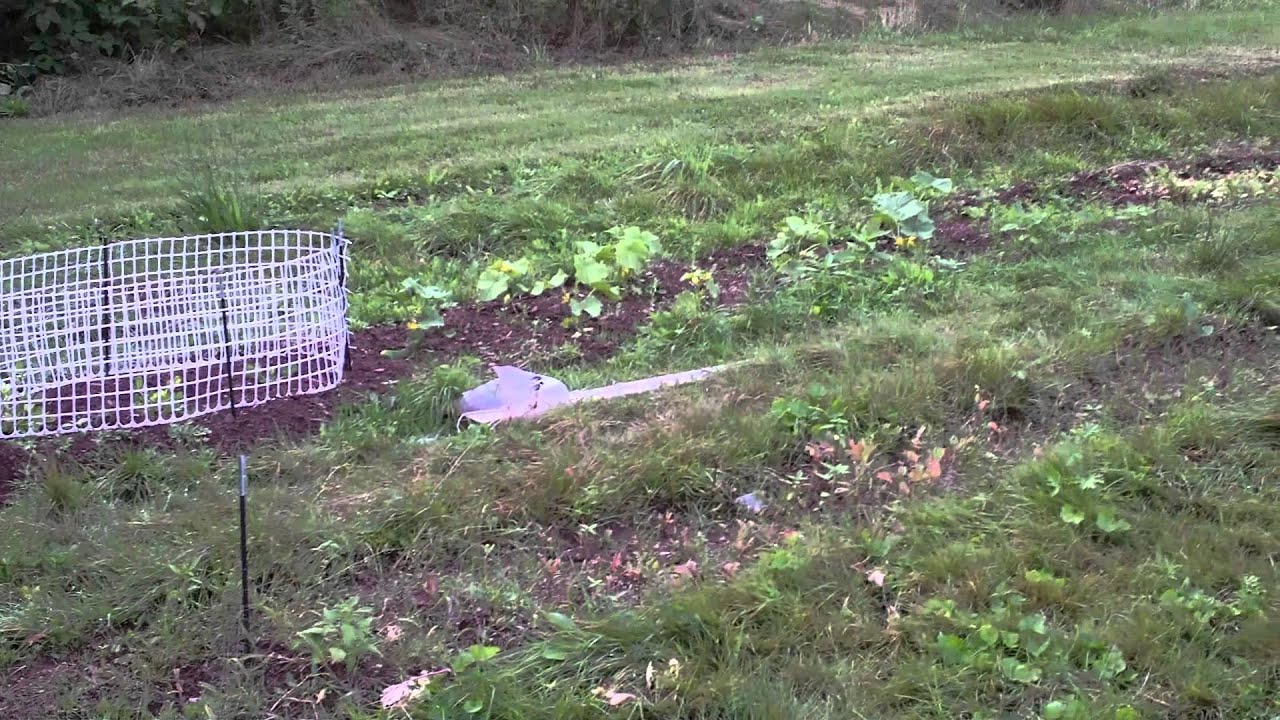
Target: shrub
{"type": "Point", "coordinates": [14, 108]}
{"type": "Point", "coordinates": [53, 32]}
{"type": "Point", "coordinates": [55, 29]}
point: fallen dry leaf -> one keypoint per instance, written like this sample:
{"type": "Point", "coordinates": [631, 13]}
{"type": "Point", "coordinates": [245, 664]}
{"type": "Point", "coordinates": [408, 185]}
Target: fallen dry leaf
{"type": "Point", "coordinates": [402, 692]}
{"type": "Point", "coordinates": [933, 467]}
{"type": "Point", "coordinates": [611, 697]}
{"type": "Point", "coordinates": [392, 632]}
{"type": "Point", "coordinates": [399, 694]}
{"type": "Point", "coordinates": [730, 568]}
{"type": "Point", "coordinates": [617, 698]}
{"type": "Point", "coordinates": [891, 618]}
{"type": "Point", "coordinates": [876, 577]}
{"type": "Point", "coordinates": [915, 441]}
{"type": "Point", "coordinates": [687, 569]}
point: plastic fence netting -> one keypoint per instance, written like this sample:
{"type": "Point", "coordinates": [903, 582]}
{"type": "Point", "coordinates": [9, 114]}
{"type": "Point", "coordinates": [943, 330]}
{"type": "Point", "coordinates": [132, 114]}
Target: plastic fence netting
{"type": "Point", "coordinates": [131, 334]}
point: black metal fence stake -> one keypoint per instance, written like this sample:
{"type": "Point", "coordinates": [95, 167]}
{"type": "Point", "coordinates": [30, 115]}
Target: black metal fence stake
{"type": "Point", "coordinates": [226, 347]}
{"type": "Point", "coordinates": [342, 288]}
{"type": "Point", "coordinates": [244, 552]}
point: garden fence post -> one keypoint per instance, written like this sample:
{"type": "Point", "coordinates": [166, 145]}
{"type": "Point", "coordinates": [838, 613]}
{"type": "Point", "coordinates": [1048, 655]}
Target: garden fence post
{"type": "Point", "coordinates": [226, 344]}
{"type": "Point", "coordinates": [340, 242]}
{"type": "Point", "coordinates": [244, 551]}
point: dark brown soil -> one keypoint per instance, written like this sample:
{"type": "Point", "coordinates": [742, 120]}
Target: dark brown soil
{"type": "Point", "coordinates": [30, 689]}
{"type": "Point", "coordinates": [1157, 374]}
{"type": "Point", "coordinates": [1120, 185]}
{"type": "Point", "coordinates": [961, 236]}
{"type": "Point", "coordinates": [12, 461]}
{"type": "Point", "coordinates": [537, 330]}
{"type": "Point", "coordinates": [1127, 183]}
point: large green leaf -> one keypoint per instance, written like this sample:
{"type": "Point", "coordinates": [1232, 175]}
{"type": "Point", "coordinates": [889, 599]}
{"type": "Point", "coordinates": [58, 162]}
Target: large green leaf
{"type": "Point", "coordinates": [920, 226]}
{"type": "Point", "coordinates": [1070, 515]}
{"type": "Point", "coordinates": [492, 284]}
{"type": "Point", "coordinates": [589, 271]}
{"type": "Point", "coordinates": [1107, 522]}
{"type": "Point", "coordinates": [898, 206]}
{"type": "Point", "coordinates": [590, 305]}
{"type": "Point", "coordinates": [926, 180]}
{"type": "Point", "coordinates": [1019, 671]}
{"type": "Point", "coordinates": [634, 250]}
{"type": "Point", "coordinates": [561, 621]}
{"type": "Point", "coordinates": [952, 648]}
{"type": "Point", "coordinates": [588, 248]}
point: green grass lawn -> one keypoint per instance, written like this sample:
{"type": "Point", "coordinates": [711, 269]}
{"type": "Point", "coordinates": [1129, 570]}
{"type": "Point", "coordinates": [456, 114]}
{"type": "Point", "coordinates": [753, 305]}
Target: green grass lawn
{"type": "Point", "coordinates": [1036, 480]}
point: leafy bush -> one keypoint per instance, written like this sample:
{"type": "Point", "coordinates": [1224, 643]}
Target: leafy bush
{"type": "Point", "coordinates": [56, 32]}
{"type": "Point", "coordinates": [14, 85]}
{"type": "Point", "coordinates": [14, 107]}
{"type": "Point", "coordinates": [57, 29]}
{"type": "Point", "coordinates": [598, 23]}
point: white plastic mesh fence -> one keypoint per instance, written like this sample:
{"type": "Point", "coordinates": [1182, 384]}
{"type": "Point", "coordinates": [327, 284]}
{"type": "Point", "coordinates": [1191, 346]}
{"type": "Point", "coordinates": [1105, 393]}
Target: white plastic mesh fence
{"type": "Point", "coordinates": [130, 334]}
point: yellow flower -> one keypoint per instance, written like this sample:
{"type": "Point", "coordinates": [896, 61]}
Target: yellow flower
{"type": "Point", "coordinates": [565, 298]}
{"type": "Point", "coordinates": [908, 241]}
{"type": "Point", "coordinates": [413, 325]}
{"type": "Point", "coordinates": [696, 277]}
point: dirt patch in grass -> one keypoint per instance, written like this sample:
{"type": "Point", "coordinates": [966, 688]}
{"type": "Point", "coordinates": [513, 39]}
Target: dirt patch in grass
{"type": "Point", "coordinates": [1143, 379]}
{"type": "Point", "coordinates": [12, 460]}
{"type": "Point", "coordinates": [527, 331]}
{"type": "Point", "coordinates": [1131, 183]}
{"type": "Point", "coordinates": [962, 236]}
{"type": "Point", "coordinates": [1128, 183]}
{"type": "Point", "coordinates": [533, 330]}
{"type": "Point", "coordinates": [31, 688]}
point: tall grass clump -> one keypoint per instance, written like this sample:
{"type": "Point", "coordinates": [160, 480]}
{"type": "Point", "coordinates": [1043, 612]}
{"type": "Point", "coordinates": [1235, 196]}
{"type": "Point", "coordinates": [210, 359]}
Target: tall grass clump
{"type": "Point", "coordinates": [214, 204]}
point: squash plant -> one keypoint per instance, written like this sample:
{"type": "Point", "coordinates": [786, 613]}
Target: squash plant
{"type": "Point", "coordinates": [902, 209]}
{"type": "Point", "coordinates": [599, 270]}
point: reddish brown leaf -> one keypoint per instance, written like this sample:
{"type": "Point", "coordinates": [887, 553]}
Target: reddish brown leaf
{"type": "Point", "coordinates": [934, 467]}
{"type": "Point", "coordinates": [687, 569]}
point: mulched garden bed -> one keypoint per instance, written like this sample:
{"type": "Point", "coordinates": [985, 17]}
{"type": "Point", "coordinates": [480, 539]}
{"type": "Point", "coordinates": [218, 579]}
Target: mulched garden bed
{"type": "Point", "coordinates": [533, 329]}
